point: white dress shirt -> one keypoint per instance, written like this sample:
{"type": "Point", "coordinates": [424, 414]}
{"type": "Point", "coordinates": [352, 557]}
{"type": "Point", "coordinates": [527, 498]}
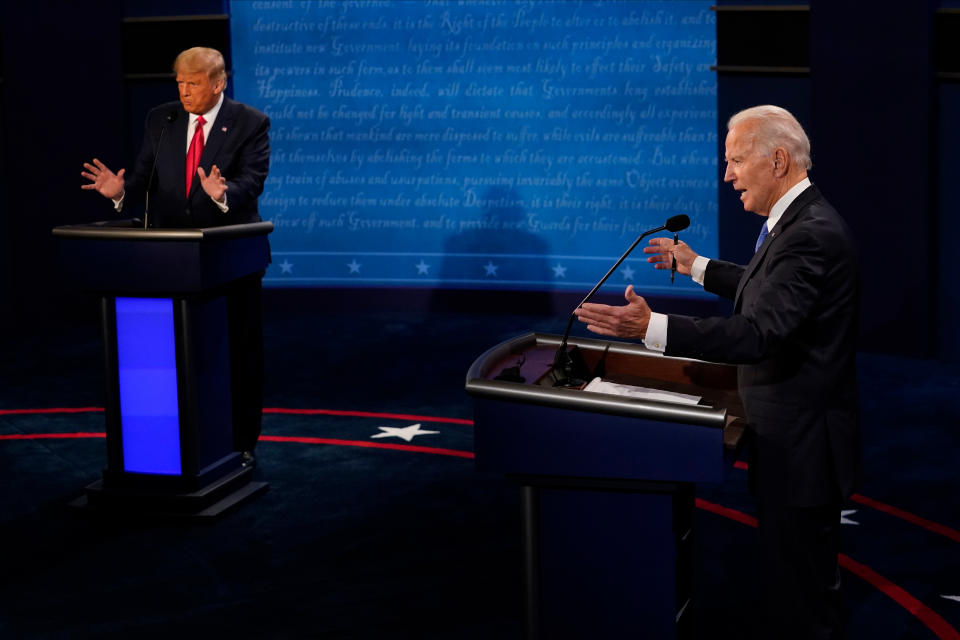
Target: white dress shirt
{"type": "Point", "coordinates": [656, 337]}
{"type": "Point", "coordinates": [208, 119]}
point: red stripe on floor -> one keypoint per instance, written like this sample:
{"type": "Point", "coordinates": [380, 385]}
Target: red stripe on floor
{"type": "Point", "coordinates": [370, 445]}
{"type": "Point", "coordinates": [367, 414]}
{"type": "Point", "coordinates": [49, 436]}
{"type": "Point", "coordinates": [271, 410]}
{"type": "Point", "coordinates": [922, 612]}
{"type": "Point", "coordinates": [16, 412]}
{"type": "Point", "coordinates": [943, 530]}
{"type": "Point", "coordinates": [726, 512]}
{"type": "Point", "coordinates": [896, 512]}
{"type": "Point", "coordinates": [300, 439]}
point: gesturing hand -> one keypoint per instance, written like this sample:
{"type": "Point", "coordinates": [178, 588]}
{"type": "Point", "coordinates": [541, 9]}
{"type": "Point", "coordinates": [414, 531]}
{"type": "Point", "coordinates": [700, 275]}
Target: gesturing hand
{"type": "Point", "coordinates": [102, 180]}
{"type": "Point", "coordinates": [628, 321]}
{"type": "Point", "coordinates": [214, 184]}
{"type": "Point", "coordinates": [664, 251]}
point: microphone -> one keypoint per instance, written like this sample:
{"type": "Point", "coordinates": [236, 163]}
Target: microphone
{"type": "Point", "coordinates": [169, 118]}
{"type": "Point", "coordinates": [569, 367]}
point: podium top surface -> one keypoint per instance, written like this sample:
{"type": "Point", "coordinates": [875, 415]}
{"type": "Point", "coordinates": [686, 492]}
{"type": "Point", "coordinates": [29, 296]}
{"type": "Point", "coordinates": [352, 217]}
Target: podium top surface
{"type": "Point", "coordinates": [533, 430]}
{"type": "Point", "coordinates": [118, 259]}
{"type": "Point", "coordinates": [623, 362]}
{"type": "Point", "coordinates": [115, 230]}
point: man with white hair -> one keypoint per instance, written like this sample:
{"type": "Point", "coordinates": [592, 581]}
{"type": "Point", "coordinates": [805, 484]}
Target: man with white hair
{"type": "Point", "coordinates": [793, 336]}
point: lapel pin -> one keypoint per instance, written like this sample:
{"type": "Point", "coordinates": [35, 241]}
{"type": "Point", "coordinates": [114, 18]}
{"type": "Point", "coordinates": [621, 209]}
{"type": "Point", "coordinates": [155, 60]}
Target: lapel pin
{"type": "Point", "coordinates": [224, 129]}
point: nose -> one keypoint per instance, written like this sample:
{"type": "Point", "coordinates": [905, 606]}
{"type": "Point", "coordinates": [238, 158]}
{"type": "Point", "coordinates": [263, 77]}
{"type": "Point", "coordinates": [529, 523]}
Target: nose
{"type": "Point", "coordinates": [728, 174]}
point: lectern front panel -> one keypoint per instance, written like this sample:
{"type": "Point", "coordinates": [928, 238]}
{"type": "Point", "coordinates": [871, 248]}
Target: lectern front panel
{"type": "Point", "coordinates": [147, 375]}
{"type": "Point", "coordinates": [166, 333]}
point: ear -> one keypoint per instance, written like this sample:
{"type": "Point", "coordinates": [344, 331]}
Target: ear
{"type": "Point", "coordinates": [781, 161]}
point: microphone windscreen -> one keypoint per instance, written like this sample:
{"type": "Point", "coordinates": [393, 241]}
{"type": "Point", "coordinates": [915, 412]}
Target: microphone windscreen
{"type": "Point", "coordinates": [677, 223]}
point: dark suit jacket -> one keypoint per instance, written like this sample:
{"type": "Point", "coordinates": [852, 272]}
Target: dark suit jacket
{"type": "Point", "coordinates": [238, 144]}
{"type": "Point", "coordinates": [793, 335]}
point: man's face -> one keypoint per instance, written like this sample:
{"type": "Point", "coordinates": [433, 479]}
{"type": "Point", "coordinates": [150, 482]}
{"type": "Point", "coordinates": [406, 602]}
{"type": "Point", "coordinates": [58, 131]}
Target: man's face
{"type": "Point", "coordinates": [197, 93]}
{"type": "Point", "coordinates": [751, 172]}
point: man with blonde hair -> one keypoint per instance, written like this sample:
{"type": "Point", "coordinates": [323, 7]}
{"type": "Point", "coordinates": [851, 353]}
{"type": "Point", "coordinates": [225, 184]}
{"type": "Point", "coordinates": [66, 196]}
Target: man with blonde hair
{"type": "Point", "coordinates": [793, 336]}
{"type": "Point", "coordinates": [230, 147]}
{"type": "Point", "coordinates": [203, 163]}
{"type": "Point", "coordinates": [202, 60]}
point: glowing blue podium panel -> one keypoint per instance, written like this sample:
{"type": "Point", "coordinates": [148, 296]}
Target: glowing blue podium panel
{"type": "Point", "coordinates": [168, 393]}
{"type": "Point", "coordinates": [147, 371]}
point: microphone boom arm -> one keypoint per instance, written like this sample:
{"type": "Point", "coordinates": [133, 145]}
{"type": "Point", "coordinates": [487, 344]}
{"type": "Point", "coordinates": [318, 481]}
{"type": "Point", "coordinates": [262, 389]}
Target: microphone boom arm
{"type": "Point", "coordinates": [562, 360]}
{"type": "Point", "coordinates": [618, 262]}
{"type": "Point", "coordinates": [170, 117]}
{"type": "Point", "coordinates": [562, 350]}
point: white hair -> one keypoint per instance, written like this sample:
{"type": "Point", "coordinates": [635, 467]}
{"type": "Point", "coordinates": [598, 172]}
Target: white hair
{"type": "Point", "coordinates": [776, 127]}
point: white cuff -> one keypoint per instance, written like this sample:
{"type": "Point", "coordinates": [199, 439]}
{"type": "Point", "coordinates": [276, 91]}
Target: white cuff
{"type": "Point", "coordinates": [222, 205]}
{"type": "Point", "coordinates": [656, 337]}
{"type": "Point", "coordinates": [699, 269]}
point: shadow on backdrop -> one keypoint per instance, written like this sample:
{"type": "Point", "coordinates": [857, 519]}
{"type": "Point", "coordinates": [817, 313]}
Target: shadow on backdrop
{"type": "Point", "coordinates": [499, 251]}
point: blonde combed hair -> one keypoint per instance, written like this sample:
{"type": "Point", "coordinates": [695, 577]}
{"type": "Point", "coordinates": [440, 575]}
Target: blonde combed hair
{"type": "Point", "coordinates": [202, 60]}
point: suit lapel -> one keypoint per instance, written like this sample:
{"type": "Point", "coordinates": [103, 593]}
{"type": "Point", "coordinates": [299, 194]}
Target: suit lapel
{"type": "Point", "coordinates": [218, 133]}
{"type": "Point", "coordinates": [176, 143]}
{"type": "Point", "coordinates": [788, 217]}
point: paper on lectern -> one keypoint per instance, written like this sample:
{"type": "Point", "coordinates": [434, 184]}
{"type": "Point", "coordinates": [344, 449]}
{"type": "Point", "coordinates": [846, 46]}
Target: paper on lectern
{"type": "Point", "coordinates": [597, 385]}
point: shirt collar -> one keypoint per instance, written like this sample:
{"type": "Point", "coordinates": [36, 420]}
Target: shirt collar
{"type": "Point", "coordinates": [776, 212]}
{"type": "Point", "coordinates": [209, 116]}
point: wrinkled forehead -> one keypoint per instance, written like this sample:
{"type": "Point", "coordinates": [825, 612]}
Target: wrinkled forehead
{"type": "Point", "coordinates": [739, 140]}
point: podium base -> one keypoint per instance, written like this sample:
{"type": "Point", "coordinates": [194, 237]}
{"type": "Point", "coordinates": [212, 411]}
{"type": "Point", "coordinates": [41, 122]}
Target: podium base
{"type": "Point", "coordinates": [208, 502]}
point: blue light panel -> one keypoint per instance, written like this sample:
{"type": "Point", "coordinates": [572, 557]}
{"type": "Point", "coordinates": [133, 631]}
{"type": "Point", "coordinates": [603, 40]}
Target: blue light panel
{"type": "Point", "coordinates": [147, 368]}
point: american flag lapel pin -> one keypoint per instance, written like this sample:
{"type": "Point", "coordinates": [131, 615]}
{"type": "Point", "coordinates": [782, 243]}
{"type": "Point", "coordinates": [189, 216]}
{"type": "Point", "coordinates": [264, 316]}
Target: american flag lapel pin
{"type": "Point", "coordinates": [224, 129]}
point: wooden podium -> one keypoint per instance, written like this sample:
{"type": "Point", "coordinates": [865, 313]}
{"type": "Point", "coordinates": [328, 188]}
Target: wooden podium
{"type": "Point", "coordinates": [607, 481]}
{"type": "Point", "coordinates": [167, 362]}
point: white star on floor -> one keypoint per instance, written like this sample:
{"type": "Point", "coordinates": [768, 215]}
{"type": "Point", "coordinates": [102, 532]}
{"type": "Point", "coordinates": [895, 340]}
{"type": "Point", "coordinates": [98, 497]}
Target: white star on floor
{"type": "Point", "coordinates": [627, 273]}
{"type": "Point", "coordinates": [354, 266]}
{"type": "Point", "coordinates": [490, 268]}
{"type": "Point", "coordinates": [407, 433]}
{"type": "Point", "coordinates": [286, 266]}
{"type": "Point", "coordinates": [559, 271]}
{"type": "Point", "coordinates": [422, 268]}
{"type": "Point", "coordinates": [844, 519]}
{"type": "Point", "coordinates": [956, 598]}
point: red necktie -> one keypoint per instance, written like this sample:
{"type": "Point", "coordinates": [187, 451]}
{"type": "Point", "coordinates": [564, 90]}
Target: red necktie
{"type": "Point", "coordinates": [196, 150]}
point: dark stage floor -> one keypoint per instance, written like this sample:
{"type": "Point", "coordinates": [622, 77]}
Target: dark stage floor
{"type": "Point", "coordinates": [356, 541]}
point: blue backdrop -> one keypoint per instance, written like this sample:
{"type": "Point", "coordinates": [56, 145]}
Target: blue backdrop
{"type": "Point", "coordinates": [494, 144]}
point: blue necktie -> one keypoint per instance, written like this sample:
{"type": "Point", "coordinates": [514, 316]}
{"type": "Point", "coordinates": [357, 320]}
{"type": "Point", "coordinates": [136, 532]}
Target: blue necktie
{"type": "Point", "coordinates": [762, 237]}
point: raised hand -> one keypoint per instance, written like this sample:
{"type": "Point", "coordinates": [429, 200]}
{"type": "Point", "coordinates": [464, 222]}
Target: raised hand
{"type": "Point", "coordinates": [627, 321]}
{"type": "Point", "coordinates": [213, 183]}
{"type": "Point", "coordinates": [664, 251]}
{"type": "Point", "coordinates": [102, 180]}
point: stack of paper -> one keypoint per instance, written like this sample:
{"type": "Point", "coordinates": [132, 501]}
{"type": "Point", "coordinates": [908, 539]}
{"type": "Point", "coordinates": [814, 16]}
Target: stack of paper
{"type": "Point", "coordinates": [602, 386]}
